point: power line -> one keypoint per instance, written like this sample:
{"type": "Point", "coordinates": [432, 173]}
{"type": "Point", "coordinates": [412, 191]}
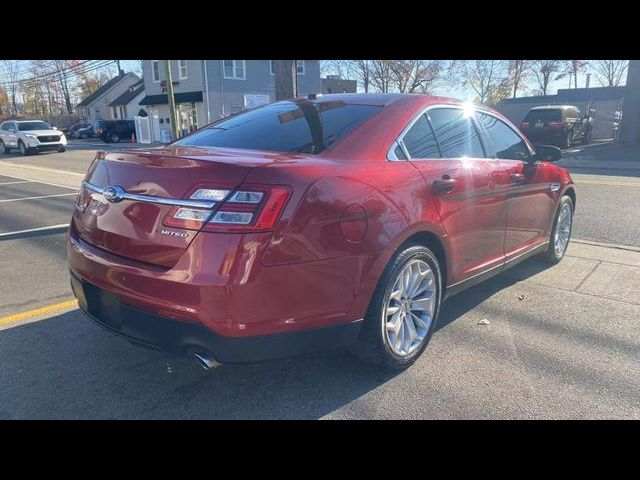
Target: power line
{"type": "Point", "coordinates": [72, 70]}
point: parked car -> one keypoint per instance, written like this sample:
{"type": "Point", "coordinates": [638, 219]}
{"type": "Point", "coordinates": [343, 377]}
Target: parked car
{"type": "Point", "coordinates": [560, 125]}
{"type": "Point", "coordinates": [30, 136]}
{"type": "Point", "coordinates": [85, 131]}
{"type": "Point", "coordinates": [114, 130]}
{"type": "Point", "coordinates": [301, 225]}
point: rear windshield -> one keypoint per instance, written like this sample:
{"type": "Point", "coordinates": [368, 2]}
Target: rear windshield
{"type": "Point", "coordinates": [26, 126]}
{"type": "Point", "coordinates": [545, 115]}
{"type": "Point", "coordinates": [293, 126]}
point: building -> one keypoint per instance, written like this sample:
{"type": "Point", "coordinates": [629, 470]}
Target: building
{"type": "Point", "coordinates": [335, 84]}
{"type": "Point", "coordinates": [127, 105]}
{"type": "Point", "coordinates": [630, 131]}
{"type": "Point", "coordinates": [206, 90]}
{"type": "Point", "coordinates": [603, 101]}
{"type": "Point", "coordinates": [97, 105]}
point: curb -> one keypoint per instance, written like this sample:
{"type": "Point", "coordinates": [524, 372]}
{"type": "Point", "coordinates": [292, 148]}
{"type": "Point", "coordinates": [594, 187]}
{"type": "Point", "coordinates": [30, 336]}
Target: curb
{"type": "Point", "coordinates": [628, 248]}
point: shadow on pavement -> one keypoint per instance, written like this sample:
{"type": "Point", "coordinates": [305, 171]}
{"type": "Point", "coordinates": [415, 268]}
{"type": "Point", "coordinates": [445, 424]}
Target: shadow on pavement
{"type": "Point", "coordinates": [66, 367]}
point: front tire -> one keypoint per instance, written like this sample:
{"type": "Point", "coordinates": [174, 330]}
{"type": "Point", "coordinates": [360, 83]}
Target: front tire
{"type": "Point", "coordinates": [403, 311]}
{"type": "Point", "coordinates": [3, 148]}
{"type": "Point", "coordinates": [561, 231]}
{"type": "Point", "coordinates": [62, 149]}
{"type": "Point", "coordinates": [24, 151]}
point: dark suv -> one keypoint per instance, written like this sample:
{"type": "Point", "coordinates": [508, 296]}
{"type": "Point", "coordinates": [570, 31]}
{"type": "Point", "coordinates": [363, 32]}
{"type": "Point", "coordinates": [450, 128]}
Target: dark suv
{"type": "Point", "coordinates": [557, 124]}
{"type": "Point", "coordinates": [114, 130]}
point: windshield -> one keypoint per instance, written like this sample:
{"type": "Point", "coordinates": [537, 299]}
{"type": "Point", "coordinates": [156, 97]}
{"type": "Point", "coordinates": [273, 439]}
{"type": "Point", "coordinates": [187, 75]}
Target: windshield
{"type": "Point", "coordinates": [544, 115]}
{"type": "Point", "coordinates": [25, 126]}
{"type": "Point", "coordinates": [293, 126]}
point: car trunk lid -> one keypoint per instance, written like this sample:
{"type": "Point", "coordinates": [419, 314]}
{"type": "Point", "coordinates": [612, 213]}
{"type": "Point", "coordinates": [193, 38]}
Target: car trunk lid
{"type": "Point", "coordinates": [133, 228]}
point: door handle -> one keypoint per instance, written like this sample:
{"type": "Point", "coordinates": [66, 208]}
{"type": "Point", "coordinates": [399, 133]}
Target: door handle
{"type": "Point", "coordinates": [445, 184]}
{"type": "Point", "coordinates": [517, 178]}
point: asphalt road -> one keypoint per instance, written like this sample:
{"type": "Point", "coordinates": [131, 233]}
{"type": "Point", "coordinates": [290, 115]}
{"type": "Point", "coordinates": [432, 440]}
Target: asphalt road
{"type": "Point", "coordinates": [546, 353]}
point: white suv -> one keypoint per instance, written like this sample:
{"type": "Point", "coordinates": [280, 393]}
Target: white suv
{"type": "Point", "coordinates": [30, 136]}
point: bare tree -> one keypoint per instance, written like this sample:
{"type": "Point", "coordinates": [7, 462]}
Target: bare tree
{"type": "Point", "coordinates": [363, 73]}
{"type": "Point", "coordinates": [487, 78]}
{"type": "Point", "coordinates": [518, 72]}
{"type": "Point", "coordinates": [413, 76]}
{"type": "Point", "coordinates": [63, 73]}
{"type": "Point", "coordinates": [609, 72]}
{"type": "Point", "coordinates": [381, 74]}
{"type": "Point", "coordinates": [12, 73]}
{"type": "Point", "coordinates": [4, 103]}
{"type": "Point", "coordinates": [544, 71]}
{"type": "Point", "coordinates": [572, 68]}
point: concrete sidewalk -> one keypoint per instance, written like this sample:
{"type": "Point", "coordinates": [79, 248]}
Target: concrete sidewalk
{"type": "Point", "coordinates": [590, 268]}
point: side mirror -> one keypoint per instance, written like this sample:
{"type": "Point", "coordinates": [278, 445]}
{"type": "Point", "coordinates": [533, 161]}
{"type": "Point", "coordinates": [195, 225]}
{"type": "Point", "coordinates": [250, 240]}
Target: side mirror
{"type": "Point", "coordinates": [547, 153]}
{"type": "Point", "coordinates": [55, 128]}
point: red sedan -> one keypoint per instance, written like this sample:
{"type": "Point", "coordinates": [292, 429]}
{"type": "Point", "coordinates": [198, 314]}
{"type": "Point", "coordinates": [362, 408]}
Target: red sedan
{"type": "Point", "coordinates": [336, 221]}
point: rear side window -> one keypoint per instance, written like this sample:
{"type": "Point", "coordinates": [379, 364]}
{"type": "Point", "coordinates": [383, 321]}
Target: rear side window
{"type": "Point", "coordinates": [544, 115]}
{"type": "Point", "coordinates": [294, 126]}
{"type": "Point", "coordinates": [456, 133]}
{"type": "Point", "coordinates": [503, 141]}
{"type": "Point", "coordinates": [419, 140]}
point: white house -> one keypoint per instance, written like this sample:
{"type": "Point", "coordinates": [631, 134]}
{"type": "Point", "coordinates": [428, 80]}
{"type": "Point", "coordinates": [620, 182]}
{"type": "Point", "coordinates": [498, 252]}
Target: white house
{"type": "Point", "coordinates": [127, 105]}
{"type": "Point", "coordinates": [96, 106]}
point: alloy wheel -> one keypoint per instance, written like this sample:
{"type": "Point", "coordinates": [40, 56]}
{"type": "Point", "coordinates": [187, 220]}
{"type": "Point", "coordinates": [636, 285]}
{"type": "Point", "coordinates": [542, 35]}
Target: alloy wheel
{"type": "Point", "coordinates": [563, 229]}
{"type": "Point", "coordinates": [409, 312]}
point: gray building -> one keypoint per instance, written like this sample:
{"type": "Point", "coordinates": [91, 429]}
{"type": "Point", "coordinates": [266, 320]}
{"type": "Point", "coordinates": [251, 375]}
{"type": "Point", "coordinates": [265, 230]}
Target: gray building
{"type": "Point", "coordinates": [97, 106]}
{"type": "Point", "coordinates": [630, 131]}
{"type": "Point", "coordinates": [206, 90]}
{"type": "Point", "coordinates": [335, 84]}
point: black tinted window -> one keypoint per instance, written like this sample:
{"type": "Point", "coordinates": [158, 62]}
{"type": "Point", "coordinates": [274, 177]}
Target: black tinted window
{"type": "Point", "coordinates": [544, 115]}
{"type": "Point", "coordinates": [419, 140]}
{"type": "Point", "coordinates": [456, 133]}
{"type": "Point", "coordinates": [399, 153]}
{"type": "Point", "coordinates": [300, 126]}
{"type": "Point", "coordinates": [504, 142]}
{"type": "Point", "coordinates": [26, 126]}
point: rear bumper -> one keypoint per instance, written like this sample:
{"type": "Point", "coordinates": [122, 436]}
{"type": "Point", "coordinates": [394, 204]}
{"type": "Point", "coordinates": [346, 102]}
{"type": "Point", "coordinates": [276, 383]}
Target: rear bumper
{"type": "Point", "coordinates": [177, 337]}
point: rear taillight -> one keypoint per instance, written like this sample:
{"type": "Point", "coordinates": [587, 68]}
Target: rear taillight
{"type": "Point", "coordinates": [524, 125]}
{"type": "Point", "coordinates": [246, 209]}
{"type": "Point", "coordinates": [555, 124]}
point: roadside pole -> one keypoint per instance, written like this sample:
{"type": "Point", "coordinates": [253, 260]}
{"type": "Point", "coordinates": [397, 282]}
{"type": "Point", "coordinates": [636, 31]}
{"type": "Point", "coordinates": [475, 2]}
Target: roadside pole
{"type": "Point", "coordinates": [172, 102]}
{"type": "Point", "coordinates": [286, 79]}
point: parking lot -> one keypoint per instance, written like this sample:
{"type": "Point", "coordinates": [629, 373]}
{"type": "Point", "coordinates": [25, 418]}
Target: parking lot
{"type": "Point", "coordinates": [535, 342]}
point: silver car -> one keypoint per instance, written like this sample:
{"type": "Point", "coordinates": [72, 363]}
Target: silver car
{"type": "Point", "coordinates": [30, 136]}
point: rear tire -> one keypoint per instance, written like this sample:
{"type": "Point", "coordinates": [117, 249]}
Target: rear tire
{"type": "Point", "coordinates": [565, 142]}
{"type": "Point", "coordinates": [587, 137]}
{"type": "Point", "coordinates": [561, 231]}
{"type": "Point", "coordinates": [378, 343]}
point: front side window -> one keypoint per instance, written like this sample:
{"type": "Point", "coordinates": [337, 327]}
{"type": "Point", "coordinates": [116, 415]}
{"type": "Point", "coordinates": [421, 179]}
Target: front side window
{"type": "Point", "coordinates": [455, 132]}
{"type": "Point", "coordinates": [155, 66]}
{"type": "Point", "coordinates": [182, 64]}
{"type": "Point", "coordinates": [419, 140]}
{"type": "Point", "coordinates": [295, 126]}
{"type": "Point", "coordinates": [505, 143]}
{"type": "Point", "coordinates": [234, 69]}
{"type": "Point", "coordinates": [300, 67]}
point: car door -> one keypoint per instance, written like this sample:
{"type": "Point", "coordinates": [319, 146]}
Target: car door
{"type": "Point", "coordinates": [444, 145]}
{"type": "Point", "coordinates": [528, 194]}
{"type": "Point", "coordinates": [10, 135]}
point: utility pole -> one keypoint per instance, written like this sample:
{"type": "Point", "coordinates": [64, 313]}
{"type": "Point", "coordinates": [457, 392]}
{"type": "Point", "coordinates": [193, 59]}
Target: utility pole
{"type": "Point", "coordinates": [118, 63]}
{"type": "Point", "coordinates": [286, 75]}
{"type": "Point", "coordinates": [172, 102]}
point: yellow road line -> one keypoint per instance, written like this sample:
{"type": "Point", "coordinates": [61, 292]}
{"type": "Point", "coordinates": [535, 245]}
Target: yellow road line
{"type": "Point", "coordinates": [18, 317]}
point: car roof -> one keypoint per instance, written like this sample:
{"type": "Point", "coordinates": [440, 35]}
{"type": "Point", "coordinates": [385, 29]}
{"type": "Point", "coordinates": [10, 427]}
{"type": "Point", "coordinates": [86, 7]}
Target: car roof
{"type": "Point", "coordinates": [26, 121]}
{"type": "Point", "coordinates": [382, 99]}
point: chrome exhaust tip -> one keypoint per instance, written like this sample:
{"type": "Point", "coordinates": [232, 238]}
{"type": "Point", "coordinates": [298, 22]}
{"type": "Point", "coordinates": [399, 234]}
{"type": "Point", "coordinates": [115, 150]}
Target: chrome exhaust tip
{"type": "Point", "coordinates": [204, 359]}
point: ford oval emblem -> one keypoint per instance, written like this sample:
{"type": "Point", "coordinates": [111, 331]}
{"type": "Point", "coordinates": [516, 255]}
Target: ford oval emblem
{"type": "Point", "coordinates": [113, 193]}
